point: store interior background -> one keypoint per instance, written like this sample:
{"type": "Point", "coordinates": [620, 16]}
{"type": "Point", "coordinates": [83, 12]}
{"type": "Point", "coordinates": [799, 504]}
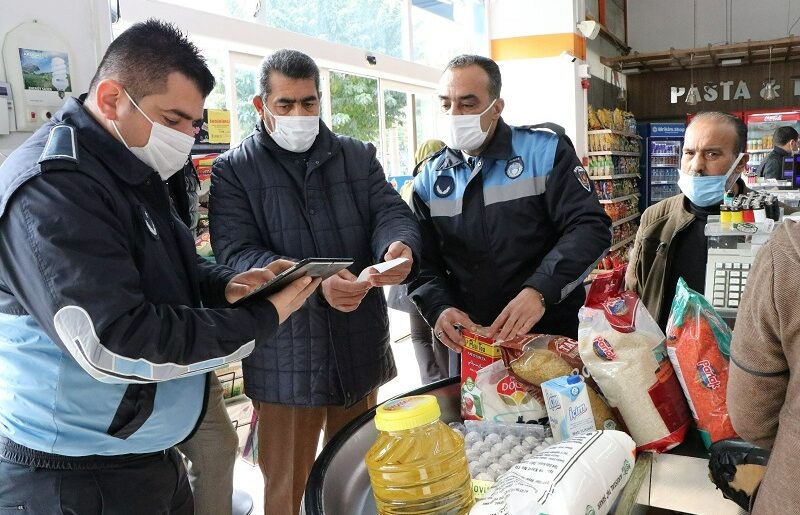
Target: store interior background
{"type": "Point", "coordinates": [396, 95]}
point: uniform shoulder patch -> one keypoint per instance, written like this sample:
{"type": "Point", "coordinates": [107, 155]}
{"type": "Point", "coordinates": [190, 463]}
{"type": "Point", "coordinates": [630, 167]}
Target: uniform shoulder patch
{"type": "Point", "coordinates": [444, 186]}
{"type": "Point", "coordinates": [583, 177]}
{"type": "Point", "coordinates": [514, 167]}
{"type": "Point", "coordinates": [61, 149]}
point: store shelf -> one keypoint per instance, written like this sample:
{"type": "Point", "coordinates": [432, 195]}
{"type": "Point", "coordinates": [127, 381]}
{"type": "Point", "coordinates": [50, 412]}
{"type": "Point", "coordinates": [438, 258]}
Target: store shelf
{"type": "Point", "coordinates": [663, 166]}
{"type": "Point", "coordinates": [622, 243]}
{"type": "Point", "coordinates": [613, 131]}
{"type": "Point", "coordinates": [657, 183]}
{"type": "Point", "coordinates": [626, 219]}
{"type": "Point", "coordinates": [614, 153]}
{"type": "Point", "coordinates": [619, 199]}
{"type": "Point", "coordinates": [674, 154]}
{"type": "Point", "coordinates": [759, 151]}
{"type": "Point", "coordinates": [616, 176]}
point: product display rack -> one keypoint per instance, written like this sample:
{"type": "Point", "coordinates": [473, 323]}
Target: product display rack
{"type": "Point", "coordinates": [613, 158]}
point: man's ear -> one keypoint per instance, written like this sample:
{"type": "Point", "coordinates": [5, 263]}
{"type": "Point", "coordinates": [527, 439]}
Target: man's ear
{"type": "Point", "coordinates": [498, 107]}
{"type": "Point", "coordinates": [108, 98]}
{"type": "Point", "coordinates": [258, 103]}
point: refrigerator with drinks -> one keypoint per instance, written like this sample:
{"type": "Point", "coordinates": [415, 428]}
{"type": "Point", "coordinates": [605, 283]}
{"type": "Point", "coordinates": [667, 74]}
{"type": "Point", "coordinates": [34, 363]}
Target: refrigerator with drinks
{"type": "Point", "coordinates": [661, 161]}
{"type": "Point", "coordinates": [760, 126]}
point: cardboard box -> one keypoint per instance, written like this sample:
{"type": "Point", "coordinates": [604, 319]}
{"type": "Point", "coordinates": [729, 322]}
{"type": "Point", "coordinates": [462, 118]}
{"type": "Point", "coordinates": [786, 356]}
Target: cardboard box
{"type": "Point", "coordinates": [477, 353]}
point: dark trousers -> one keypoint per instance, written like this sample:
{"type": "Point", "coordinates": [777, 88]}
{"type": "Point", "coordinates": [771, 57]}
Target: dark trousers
{"type": "Point", "coordinates": [431, 354]}
{"type": "Point", "coordinates": [152, 485]}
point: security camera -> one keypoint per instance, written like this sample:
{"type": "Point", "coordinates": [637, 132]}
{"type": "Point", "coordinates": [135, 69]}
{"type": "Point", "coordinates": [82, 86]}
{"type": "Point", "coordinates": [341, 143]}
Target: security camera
{"type": "Point", "coordinates": [567, 56]}
{"type": "Point", "coordinates": [589, 28]}
{"type": "Point", "coordinates": [372, 60]}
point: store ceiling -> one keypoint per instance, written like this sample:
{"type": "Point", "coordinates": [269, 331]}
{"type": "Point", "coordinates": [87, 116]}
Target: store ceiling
{"type": "Point", "coordinates": [751, 52]}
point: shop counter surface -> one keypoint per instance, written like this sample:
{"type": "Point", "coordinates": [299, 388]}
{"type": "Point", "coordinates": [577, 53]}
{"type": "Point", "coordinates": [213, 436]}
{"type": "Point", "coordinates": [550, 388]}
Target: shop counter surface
{"type": "Point", "coordinates": [339, 483]}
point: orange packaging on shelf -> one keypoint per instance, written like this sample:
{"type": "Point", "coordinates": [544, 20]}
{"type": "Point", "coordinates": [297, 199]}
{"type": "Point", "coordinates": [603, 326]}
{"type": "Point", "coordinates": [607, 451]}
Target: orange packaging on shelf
{"type": "Point", "coordinates": [698, 345]}
{"type": "Point", "coordinates": [202, 163]}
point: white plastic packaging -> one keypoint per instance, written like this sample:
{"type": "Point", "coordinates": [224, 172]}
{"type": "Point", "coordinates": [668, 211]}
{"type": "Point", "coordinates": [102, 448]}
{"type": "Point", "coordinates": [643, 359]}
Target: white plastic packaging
{"type": "Point", "coordinates": [568, 407]}
{"type": "Point", "coordinates": [584, 474]}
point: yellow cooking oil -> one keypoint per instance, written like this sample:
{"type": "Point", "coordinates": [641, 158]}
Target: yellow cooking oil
{"type": "Point", "coordinates": [418, 464]}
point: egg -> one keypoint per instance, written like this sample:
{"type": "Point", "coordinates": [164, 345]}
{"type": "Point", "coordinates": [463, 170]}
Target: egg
{"type": "Point", "coordinates": [492, 438]}
{"type": "Point", "coordinates": [486, 476]}
{"type": "Point", "coordinates": [531, 440]}
{"type": "Point", "coordinates": [487, 457]}
{"type": "Point", "coordinates": [496, 468]}
{"type": "Point", "coordinates": [472, 436]}
{"type": "Point", "coordinates": [498, 448]}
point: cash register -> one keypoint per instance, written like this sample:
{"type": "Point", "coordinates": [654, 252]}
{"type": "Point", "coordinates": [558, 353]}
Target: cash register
{"type": "Point", "coordinates": [732, 248]}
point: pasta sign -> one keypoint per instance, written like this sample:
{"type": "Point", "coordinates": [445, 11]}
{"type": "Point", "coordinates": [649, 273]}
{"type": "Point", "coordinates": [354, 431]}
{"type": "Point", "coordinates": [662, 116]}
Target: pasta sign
{"type": "Point", "coordinates": [712, 92]}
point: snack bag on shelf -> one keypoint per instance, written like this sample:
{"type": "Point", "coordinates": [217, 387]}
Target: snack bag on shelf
{"type": "Point", "coordinates": [623, 349]}
{"type": "Point", "coordinates": [594, 121]}
{"type": "Point", "coordinates": [698, 344]}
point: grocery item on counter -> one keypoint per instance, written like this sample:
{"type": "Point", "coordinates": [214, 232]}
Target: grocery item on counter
{"type": "Point", "coordinates": [568, 407]}
{"type": "Point", "coordinates": [698, 344]}
{"type": "Point", "coordinates": [417, 464]}
{"type": "Point", "coordinates": [492, 448]}
{"type": "Point", "coordinates": [584, 474]}
{"type": "Point", "coordinates": [504, 399]}
{"type": "Point", "coordinates": [623, 349]}
{"type": "Point", "coordinates": [537, 358]}
{"type": "Point", "coordinates": [478, 352]}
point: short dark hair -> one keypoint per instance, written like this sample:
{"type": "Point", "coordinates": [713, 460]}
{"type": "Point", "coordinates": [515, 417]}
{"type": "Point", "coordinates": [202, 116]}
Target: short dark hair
{"type": "Point", "coordinates": [489, 66]}
{"type": "Point", "coordinates": [143, 56]}
{"type": "Point", "coordinates": [784, 135]}
{"type": "Point", "coordinates": [292, 63]}
{"type": "Point", "coordinates": [736, 122]}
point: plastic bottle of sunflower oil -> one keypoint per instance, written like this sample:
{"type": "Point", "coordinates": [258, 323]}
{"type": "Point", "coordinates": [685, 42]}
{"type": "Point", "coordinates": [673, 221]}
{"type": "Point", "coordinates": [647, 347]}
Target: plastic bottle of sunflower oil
{"type": "Point", "coordinates": [418, 464]}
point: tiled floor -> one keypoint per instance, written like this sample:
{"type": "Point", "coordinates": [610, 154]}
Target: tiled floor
{"type": "Point", "coordinates": [248, 478]}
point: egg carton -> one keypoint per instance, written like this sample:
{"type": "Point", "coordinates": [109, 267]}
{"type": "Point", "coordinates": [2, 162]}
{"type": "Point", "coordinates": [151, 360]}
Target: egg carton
{"type": "Point", "coordinates": [493, 448]}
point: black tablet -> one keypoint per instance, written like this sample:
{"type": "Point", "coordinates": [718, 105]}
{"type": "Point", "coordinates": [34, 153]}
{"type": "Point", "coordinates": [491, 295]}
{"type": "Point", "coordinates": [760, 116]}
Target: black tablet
{"type": "Point", "coordinates": [314, 267]}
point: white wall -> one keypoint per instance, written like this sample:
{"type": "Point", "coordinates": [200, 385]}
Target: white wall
{"type": "Point", "coordinates": [512, 18]}
{"type": "Point", "coordinates": [655, 25]}
{"type": "Point", "coordinates": [84, 24]}
{"type": "Point", "coordinates": [544, 90]}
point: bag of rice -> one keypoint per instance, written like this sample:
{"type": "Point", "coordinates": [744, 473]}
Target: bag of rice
{"type": "Point", "coordinates": [536, 358]}
{"type": "Point", "coordinates": [698, 343]}
{"type": "Point", "coordinates": [584, 474]}
{"type": "Point", "coordinates": [623, 348]}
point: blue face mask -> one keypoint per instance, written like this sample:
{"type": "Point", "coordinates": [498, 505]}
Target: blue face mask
{"type": "Point", "coordinates": [708, 190]}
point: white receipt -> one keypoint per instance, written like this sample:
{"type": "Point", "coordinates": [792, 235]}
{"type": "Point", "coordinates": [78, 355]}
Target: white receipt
{"type": "Point", "coordinates": [380, 268]}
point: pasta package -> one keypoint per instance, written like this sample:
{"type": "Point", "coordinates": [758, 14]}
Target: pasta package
{"type": "Point", "coordinates": [536, 358]}
{"type": "Point", "coordinates": [698, 343]}
{"type": "Point", "coordinates": [623, 349]}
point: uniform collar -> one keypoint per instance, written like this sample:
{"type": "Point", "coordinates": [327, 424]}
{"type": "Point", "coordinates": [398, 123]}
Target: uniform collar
{"type": "Point", "coordinates": [98, 142]}
{"type": "Point", "coordinates": [499, 148]}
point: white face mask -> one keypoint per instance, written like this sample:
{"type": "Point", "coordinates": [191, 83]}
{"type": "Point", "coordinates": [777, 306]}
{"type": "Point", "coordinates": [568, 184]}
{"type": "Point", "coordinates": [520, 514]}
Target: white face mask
{"type": "Point", "coordinates": [294, 133]}
{"type": "Point", "coordinates": [166, 151]}
{"type": "Point", "coordinates": [463, 131]}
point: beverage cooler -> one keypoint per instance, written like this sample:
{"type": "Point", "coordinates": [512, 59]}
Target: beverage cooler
{"type": "Point", "coordinates": [661, 161]}
{"type": "Point", "coordinates": [760, 126]}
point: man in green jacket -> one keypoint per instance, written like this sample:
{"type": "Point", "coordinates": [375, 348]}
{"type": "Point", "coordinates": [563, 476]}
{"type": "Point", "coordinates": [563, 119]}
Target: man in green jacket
{"type": "Point", "coordinates": [670, 242]}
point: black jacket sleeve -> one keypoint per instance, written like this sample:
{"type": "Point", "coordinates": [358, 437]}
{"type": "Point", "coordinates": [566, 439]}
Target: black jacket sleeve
{"type": "Point", "coordinates": [581, 222]}
{"type": "Point", "coordinates": [430, 290]}
{"type": "Point", "coordinates": [773, 167]}
{"type": "Point", "coordinates": [67, 260]}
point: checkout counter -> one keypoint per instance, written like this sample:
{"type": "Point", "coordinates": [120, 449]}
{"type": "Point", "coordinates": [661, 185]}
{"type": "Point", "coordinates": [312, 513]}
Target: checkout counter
{"type": "Point", "coordinates": [678, 480]}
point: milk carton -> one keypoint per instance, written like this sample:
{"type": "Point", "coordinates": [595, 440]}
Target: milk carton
{"type": "Point", "coordinates": [568, 407]}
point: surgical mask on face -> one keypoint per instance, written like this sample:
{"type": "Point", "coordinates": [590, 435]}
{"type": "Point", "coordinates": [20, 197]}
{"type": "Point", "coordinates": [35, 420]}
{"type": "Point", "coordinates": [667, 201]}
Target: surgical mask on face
{"type": "Point", "coordinates": [463, 131]}
{"type": "Point", "coordinates": [294, 133]}
{"type": "Point", "coordinates": [708, 190]}
{"type": "Point", "coordinates": [166, 151]}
